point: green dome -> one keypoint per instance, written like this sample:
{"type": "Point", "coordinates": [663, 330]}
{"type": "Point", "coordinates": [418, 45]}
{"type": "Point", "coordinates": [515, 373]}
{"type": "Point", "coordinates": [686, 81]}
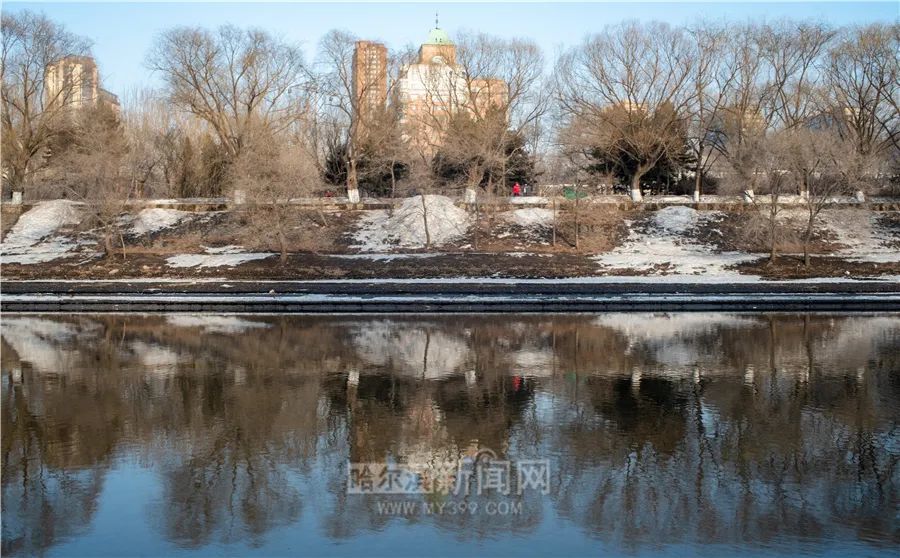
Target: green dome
{"type": "Point", "coordinates": [438, 37]}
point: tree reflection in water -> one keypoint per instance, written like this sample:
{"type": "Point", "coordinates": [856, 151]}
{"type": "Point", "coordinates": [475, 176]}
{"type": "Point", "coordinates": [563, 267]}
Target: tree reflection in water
{"type": "Point", "coordinates": [661, 428]}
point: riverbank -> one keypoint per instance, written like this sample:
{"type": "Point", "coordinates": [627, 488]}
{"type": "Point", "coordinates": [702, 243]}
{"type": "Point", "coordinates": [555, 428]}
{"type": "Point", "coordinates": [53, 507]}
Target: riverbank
{"type": "Point", "coordinates": [54, 240]}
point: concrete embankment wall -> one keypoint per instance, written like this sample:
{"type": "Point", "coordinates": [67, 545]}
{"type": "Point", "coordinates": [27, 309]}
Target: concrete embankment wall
{"type": "Point", "coordinates": [423, 297]}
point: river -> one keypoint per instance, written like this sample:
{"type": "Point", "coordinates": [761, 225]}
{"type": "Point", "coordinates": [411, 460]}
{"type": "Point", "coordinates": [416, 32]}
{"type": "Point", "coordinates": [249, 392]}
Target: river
{"type": "Point", "coordinates": [533, 434]}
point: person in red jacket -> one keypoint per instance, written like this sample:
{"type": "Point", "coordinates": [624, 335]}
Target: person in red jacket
{"type": "Point", "coordinates": [517, 190]}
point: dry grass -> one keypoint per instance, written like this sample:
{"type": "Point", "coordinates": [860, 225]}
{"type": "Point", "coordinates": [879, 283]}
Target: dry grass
{"type": "Point", "coordinates": [750, 232]}
{"type": "Point", "coordinates": [600, 229]}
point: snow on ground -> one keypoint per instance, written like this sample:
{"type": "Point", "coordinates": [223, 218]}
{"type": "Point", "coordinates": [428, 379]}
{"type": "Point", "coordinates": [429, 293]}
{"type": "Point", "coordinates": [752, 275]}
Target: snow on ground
{"type": "Point", "coordinates": [225, 256]}
{"type": "Point", "coordinates": [31, 240]}
{"type": "Point", "coordinates": [530, 217]}
{"type": "Point", "coordinates": [377, 257]}
{"type": "Point", "coordinates": [155, 219]}
{"type": "Point", "coordinates": [666, 239]}
{"type": "Point", "coordinates": [675, 219]}
{"type": "Point", "coordinates": [528, 200]}
{"type": "Point", "coordinates": [863, 237]}
{"type": "Point", "coordinates": [404, 227]}
{"type": "Point", "coordinates": [214, 323]}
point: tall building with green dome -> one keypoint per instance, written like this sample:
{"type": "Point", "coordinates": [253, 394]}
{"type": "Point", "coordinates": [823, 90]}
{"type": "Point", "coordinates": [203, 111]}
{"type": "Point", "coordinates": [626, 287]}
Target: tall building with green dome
{"type": "Point", "coordinates": [438, 49]}
{"type": "Point", "coordinates": [434, 88]}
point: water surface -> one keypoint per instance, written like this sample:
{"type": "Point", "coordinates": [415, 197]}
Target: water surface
{"type": "Point", "coordinates": [664, 434]}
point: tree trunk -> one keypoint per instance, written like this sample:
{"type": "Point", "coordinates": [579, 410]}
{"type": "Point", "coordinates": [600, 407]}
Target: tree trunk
{"type": "Point", "coordinates": [352, 181]}
{"type": "Point", "coordinates": [773, 238]}
{"type": "Point", "coordinates": [636, 195]}
{"type": "Point", "coordinates": [807, 238]}
{"type": "Point", "coordinates": [577, 215]}
{"type": "Point", "coordinates": [107, 243]}
{"type": "Point", "coordinates": [475, 228]}
{"type": "Point", "coordinates": [282, 244]}
{"type": "Point", "coordinates": [122, 242]}
{"type": "Point", "coordinates": [393, 180]}
{"type": "Point", "coordinates": [425, 222]}
{"type": "Point", "coordinates": [554, 222]}
{"type": "Point", "coordinates": [698, 174]}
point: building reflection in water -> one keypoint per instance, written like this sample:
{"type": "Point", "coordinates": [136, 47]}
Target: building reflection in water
{"type": "Point", "coordinates": [730, 429]}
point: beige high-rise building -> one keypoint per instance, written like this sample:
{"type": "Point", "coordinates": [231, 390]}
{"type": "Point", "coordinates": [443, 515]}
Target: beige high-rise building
{"type": "Point", "coordinates": [369, 80]}
{"type": "Point", "coordinates": [435, 88]}
{"type": "Point", "coordinates": [74, 81]}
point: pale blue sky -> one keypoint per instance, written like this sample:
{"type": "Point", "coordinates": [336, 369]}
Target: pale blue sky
{"type": "Point", "coordinates": [123, 32]}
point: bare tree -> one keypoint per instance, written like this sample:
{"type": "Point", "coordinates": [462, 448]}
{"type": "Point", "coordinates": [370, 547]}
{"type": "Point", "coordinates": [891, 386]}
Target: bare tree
{"type": "Point", "coordinates": [34, 113]}
{"type": "Point", "coordinates": [862, 88]}
{"type": "Point", "coordinates": [793, 52]}
{"type": "Point", "coordinates": [420, 182]}
{"type": "Point", "coordinates": [97, 171]}
{"type": "Point", "coordinates": [829, 166]}
{"type": "Point", "coordinates": [235, 80]}
{"type": "Point", "coordinates": [344, 99]}
{"type": "Point", "coordinates": [743, 123]}
{"type": "Point", "coordinates": [711, 77]}
{"type": "Point", "coordinates": [385, 151]}
{"type": "Point", "coordinates": [630, 88]}
{"type": "Point", "coordinates": [147, 125]}
{"type": "Point", "coordinates": [761, 161]}
{"type": "Point", "coordinates": [272, 171]}
{"type": "Point", "coordinates": [504, 95]}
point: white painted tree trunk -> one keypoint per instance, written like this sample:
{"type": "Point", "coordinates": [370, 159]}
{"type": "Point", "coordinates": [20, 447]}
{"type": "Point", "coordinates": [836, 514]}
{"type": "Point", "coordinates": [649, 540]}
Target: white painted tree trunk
{"type": "Point", "coordinates": [748, 196]}
{"type": "Point", "coordinates": [470, 196]}
{"type": "Point", "coordinates": [696, 196]}
{"type": "Point", "coordinates": [860, 196]}
{"type": "Point", "coordinates": [17, 198]}
{"type": "Point", "coordinates": [353, 195]}
{"type": "Point", "coordinates": [239, 197]}
{"type": "Point", "coordinates": [636, 195]}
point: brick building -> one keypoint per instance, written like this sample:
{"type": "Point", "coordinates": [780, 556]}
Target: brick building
{"type": "Point", "coordinates": [369, 81]}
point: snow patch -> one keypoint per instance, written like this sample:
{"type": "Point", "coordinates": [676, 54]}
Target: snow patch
{"type": "Point", "coordinates": [675, 219]}
{"type": "Point", "coordinates": [666, 239]}
{"type": "Point", "coordinates": [155, 219]}
{"type": "Point", "coordinates": [382, 230]}
{"type": "Point", "coordinates": [376, 257]}
{"type": "Point", "coordinates": [863, 237]}
{"type": "Point", "coordinates": [530, 217]}
{"type": "Point", "coordinates": [31, 240]}
{"type": "Point", "coordinates": [229, 256]}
